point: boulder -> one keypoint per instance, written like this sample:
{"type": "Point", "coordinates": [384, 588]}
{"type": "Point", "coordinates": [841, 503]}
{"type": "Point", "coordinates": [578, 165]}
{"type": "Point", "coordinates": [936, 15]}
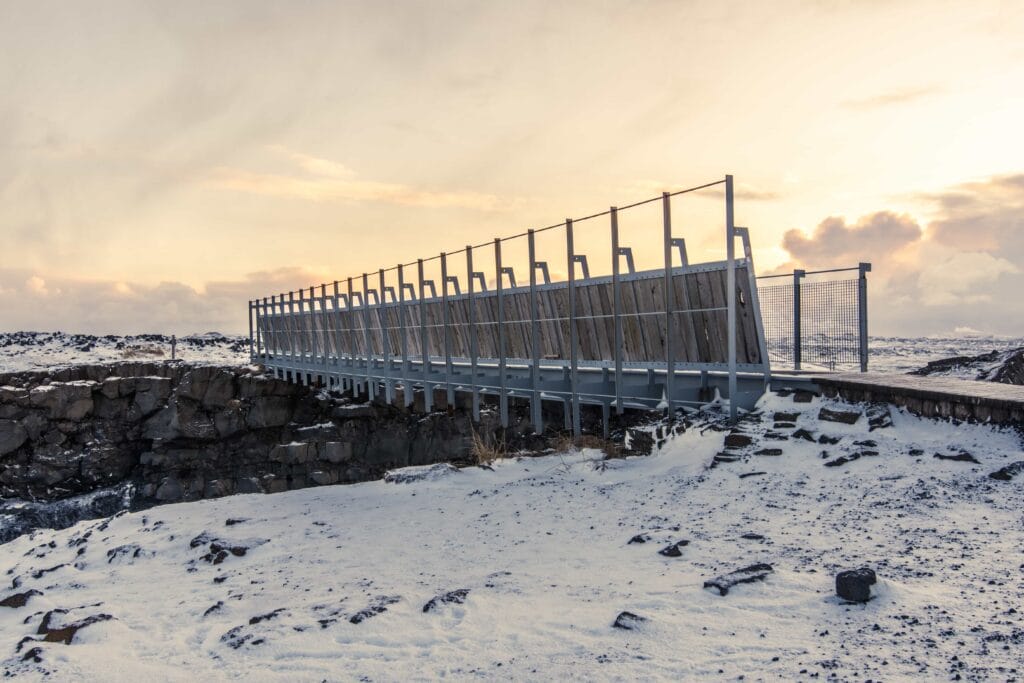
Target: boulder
{"type": "Point", "coordinates": [842, 416]}
{"type": "Point", "coordinates": [855, 585]}
{"type": "Point", "coordinates": [269, 411]}
{"type": "Point", "coordinates": [12, 436]}
{"type": "Point", "coordinates": [336, 452]}
{"type": "Point", "coordinates": [1009, 472]}
{"type": "Point", "coordinates": [170, 490]}
{"type": "Point", "coordinates": [628, 621]}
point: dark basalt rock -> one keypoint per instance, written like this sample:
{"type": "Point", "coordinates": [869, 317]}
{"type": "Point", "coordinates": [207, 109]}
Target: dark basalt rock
{"type": "Point", "coordinates": [674, 549]}
{"type": "Point", "coordinates": [1009, 472]}
{"type": "Point", "coordinates": [755, 572]}
{"type": "Point", "coordinates": [841, 416]}
{"type": "Point", "coordinates": [805, 435]}
{"type": "Point", "coordinates": [378, 606]}
{"type": "Point", "coordinates": [737, 441]}
{"type": "Point", "coordinates": [769, 451]}
{"type": "Point", "coordinates": [455, 597]}
{"type": "Point", "coordinates": [958, 457]}
{"type": "Point", "coordinates": [855, 585]}
{"type": "Point", "coordinates": [628, 621]}
{"type": "Point", "coordinates": [19, 599]}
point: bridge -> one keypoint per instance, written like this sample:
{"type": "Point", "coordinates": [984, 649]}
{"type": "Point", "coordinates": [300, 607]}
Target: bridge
{"type": "Point", "coordinates": [676, 335]}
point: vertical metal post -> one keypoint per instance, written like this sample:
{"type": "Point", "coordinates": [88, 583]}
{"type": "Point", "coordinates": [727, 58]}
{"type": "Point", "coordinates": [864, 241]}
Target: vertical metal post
{"type": "Point", "coordinates": [798, 275]}
{"type": "Point", "coordinates": [274, 343]}
{"type": "Point", "coordinates": [862, 312]}
{"type": "Point", "coordinates": [730, 293]}
{"type": "Point", "coordinates": [252, 343]}
{"type": "Point", "coordinates": [617, 310]}
{"type": "Point", "coordinates": [428, 394]}
{"type": "Point", "coordinates": [473, 347]}
{"type": "Point", "coordinates": [313, 345]}
{"type": "Point", "coordinates": [336, 317]}
{"type": "Point", "coordinates": [291, 326]}
{"type": "Point", "coordinates": [502, 390]}
{"type": "Point", "coordinates": [366, 335]}
{"type": "Point", "coordinates": [324, 326]}
{"type": "Point", "coordinates": [670, 306]}
{"type": "Point", "coordinates": [385, 340]}
{"type": "Point", "coordinates": [536, 409]}
{"type": "Point", "coordinates": [445, 322]}
{"type": "Point", "coordinates": [261, 340]}
{"type": "Point", "coordinates": [406, 384]}
{"type": "Point", "coordinates": [573, 355]}
{"type": "Point", "coordinates": [352, 331]}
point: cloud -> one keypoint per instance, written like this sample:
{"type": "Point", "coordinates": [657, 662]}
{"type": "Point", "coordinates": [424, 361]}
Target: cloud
{"type": "Point", "coordinates": [893, 97]}
{"type": "Point", "coordinates": [746, 191]}
{"type": "Point", "coordinates": [874, 237]}
{"type": "Point", "coordinates": [325, 180]}
{"type": "Point", "coordinates": [33, 302]}
{"type": "Point", "coordinates": [962, 269]}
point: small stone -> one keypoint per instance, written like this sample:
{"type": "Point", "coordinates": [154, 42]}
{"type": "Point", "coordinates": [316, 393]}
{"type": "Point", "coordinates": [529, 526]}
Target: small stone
{"type": "Point", "coordinates": [673, 550]}
{"type": "Point", "coordinates": [1009, 472]}
{"type": "Point", "coordinates": [628, 621]}
{"type": "Point", "coordinates": [455, 597]}
{"type": "Point", "coordinates": [769, 451]}
{"type": "Point", "coordinates": [958, 457]}
{"type": "Point", "coordinates": [805, 435]}
{"type": "Point", "coordinates": [802, 396]}
{"type": "Point", "coordinates": [855, 585]}
{"type": "Point", "coordinates": [828, 440]}
{"type": "Point", "coordinates": [841, 416]}
{"type": "Point", "coordinates": [18, 599]}
{"type": "Point", "coordinates": [737, 441]}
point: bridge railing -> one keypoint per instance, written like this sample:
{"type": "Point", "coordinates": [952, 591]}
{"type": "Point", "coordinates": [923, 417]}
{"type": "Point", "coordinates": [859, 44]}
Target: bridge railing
{"type": "Point", "coordinates": [667, 336]}
{"type": "Point", "coordinates": [816, 319]}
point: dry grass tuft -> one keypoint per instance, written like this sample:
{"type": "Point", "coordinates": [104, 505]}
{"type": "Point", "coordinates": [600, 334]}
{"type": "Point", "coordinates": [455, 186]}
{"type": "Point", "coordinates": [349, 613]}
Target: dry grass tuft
{"type": "Point", "coordinates": [485, 451]}
{"type": "Point", "coordinates": [563, 443]}
{"type": "Point", "coordinates": [142, 351]}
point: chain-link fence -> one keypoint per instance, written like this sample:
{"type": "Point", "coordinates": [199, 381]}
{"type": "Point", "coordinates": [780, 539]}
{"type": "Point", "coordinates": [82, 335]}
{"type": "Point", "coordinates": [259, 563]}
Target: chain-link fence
{"type": "Point", "coordinates": [817, 320]}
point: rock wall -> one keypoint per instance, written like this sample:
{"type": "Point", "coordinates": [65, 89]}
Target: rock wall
{"type": "Point", "coordinates": [182, 432]}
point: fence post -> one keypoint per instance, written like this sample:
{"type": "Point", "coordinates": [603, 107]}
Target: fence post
{"type": "Point", "coordinates": [428, 394]}
{"type": "Point", "coordinates": [473, 346]}
{"type": "Point", "coordinates": [536, 409]}
{"type": "Point", "coordinates": [670, 371]}
{"type": "Point", "coordinates": [573, 355]}
{"type": "Point", "coordinates": [617, 309]}
{"type": "Point", "coordinates": [385, 340]}
{"type": "Point", "coordinates": [730, 249]}
{"type": "Point", "coordinates": [445, 323]}
{"type": "Point", "coordinates": [862, 312]}
{"type": "Point", "coordinates": [370, 388]}
{"type": "Point", "coordinates": [798, 275]}
{"type": "Point", "coordinates": [406, 384]}
{"type": "Point", "coordinates": [502, 380]}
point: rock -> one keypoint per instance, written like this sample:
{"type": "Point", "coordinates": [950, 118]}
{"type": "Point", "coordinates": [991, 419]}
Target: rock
{"type": "Point", "coordinates": [293, 453]}
{"type": "Point", "coordinates": [769, 451]}
{"type": "Point", "coordinates": [408, 475]}
{"type": "Point", "coordinates": [842, 460]}
{"type": "Point", "coordinates": [170, 490]}
{"type": "Point", "coordinates": [65, 634]}
{"type": "Point", "coordinates": [322, 478]}
{"type": "Point", "coordinates": [12, 436]}
{"type": "Point", "coordinates": [755, 572]}
{"type": "Point", "coordinates": [455, 597]}
{"type": "Point", "coordinates": [841, 416]}
{"type": "Point", "coordinates": [378, 606]}
{"type": "Point", "coordinates": [639, 538]}
{"type": "Point", "coordinates": [786, 417]}
{"type": "Point", "coordinates": [19, 599]}
{"type": "Point", "coordinates": [737, 440]}
{"type": "Point", "coordinates": [805, 435]}
{"type": "Point", "coordinates": [879, 416]}
{"type": "Point", "coordinates": [751, 474]}
{"type": "Point", "coordinates": [628, 621]}
{"type": "Point", "coordinates": [802, 396]}
{"type": "Point", "coordinates": [1009, 472]}
{"type": "Point", "coordinates": [752, 537]}
{"type": "Point", "coordinates": [673, 549]}
{"type": "Point", "coordinates": [855, 585]}
{"type": "Point", "coordinates": [336, 452]}
{"type": "Point", "coordinates": [828, 440]}
{"type": "Point", "coordinates": [958, 457]}
{"type": "Point", "coordinates": [269, 411]}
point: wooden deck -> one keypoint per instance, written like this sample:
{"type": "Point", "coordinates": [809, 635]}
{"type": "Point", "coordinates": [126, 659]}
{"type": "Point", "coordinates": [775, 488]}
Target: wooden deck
{"type": "Point", "coordinates": [932, 396]}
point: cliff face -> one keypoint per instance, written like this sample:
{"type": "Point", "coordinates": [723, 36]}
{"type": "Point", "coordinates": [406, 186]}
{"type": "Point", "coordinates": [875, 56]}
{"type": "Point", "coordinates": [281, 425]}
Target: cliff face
{"type": "Point", "coordinates": [181, 432]}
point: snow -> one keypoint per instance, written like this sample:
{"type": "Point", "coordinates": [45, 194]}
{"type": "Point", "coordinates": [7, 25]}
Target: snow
{"type": "Point", "coordinates": [541, 546]}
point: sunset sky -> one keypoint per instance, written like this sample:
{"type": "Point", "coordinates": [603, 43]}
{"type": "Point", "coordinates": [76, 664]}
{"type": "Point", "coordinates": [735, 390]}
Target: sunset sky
{"type": "Point", "coordinates": [163, 162]}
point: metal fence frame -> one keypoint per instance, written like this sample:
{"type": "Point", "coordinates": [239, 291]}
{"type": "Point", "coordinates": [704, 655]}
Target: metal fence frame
{"type": "Point", "coordinates": [608, 382]}
{"type": "Point", "coordinates": [798, 276]}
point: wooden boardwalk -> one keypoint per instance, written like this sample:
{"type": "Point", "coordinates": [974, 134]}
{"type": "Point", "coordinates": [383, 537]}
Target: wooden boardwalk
{"type": "Point", "coordinates": [932, 396]}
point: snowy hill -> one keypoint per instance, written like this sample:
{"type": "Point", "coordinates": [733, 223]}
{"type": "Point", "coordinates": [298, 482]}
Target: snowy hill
{"type": "Point", "coordinates": [519, 572]}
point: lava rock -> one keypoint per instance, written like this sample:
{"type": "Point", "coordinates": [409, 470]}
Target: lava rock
{"type": "Point", "coordinates": [841, 416]}
{"type": "Point", "coordinates": [674, 549]}
{"type": "Point", "coordinates": [18, 599]}
{"type": "Point", "coordinates": [855, 585]}
{"type": "Point", "coordinates": [1009, 472]}
{"type": "Point", "coordinates": [769, 451]}
{"type": "Point", "coordinates": [628, 621]}
{"type": "Point", "coordinates": [805, 435]}
{"type": "Point", "coordinates": [737, 441]}
{"type": "Point", "coordinates": [958, 457]}
{"type": "Point", "coordinates": [755, 572]}
{"type": "Point", "coordinates": [455, 597]}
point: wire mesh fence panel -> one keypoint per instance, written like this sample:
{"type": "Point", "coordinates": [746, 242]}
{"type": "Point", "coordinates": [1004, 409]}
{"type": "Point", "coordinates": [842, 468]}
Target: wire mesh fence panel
{"type": "Point", "coordinates": [827, 335]}
{"type": "Point", "coordinates": [777, 315]}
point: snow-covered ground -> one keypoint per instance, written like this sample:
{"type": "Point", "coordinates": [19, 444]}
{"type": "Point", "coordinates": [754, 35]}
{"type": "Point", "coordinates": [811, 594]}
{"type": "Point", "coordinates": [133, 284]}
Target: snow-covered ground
{"type": "Point", "coordinates": [40, 350]}
{"type": "Point", "coordinates": [332, 583]}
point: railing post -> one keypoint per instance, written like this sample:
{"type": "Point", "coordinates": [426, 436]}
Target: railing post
{"type": "Point", "coordinates": [385, 340]}
{"type": "Point", "coordinates": [406, 384]}
{"type": "Point", "coordinates": [862, 313]}
{"type": "Point", "coordinates": [670, 305]}
{"type": "Point", "coordinates": [252, 344]}
{"type": "Point", "coordinates": [730, 249]}
{"type": "Point", "coordinates": [473, 344]}
{"type": "Point", "coordinates": [313, 342]}
{"type": "Point", "coordinates": [536, 408]}
{"type": "Point", "coordinates": [428, 394]}
{"type": "Point", "coordinates": [291, 326]}
{"type": "Point", "coordinates": [261, 342]}
{"type": "Point", "coordinates": [798, 275]}
{"type": "Point", "coordinates": [502, 380]}
{"type": "Point", "coordinates": [573, 355]}
{"type": "Point", "coordinates": [366, 336]}
{"type": "Point", "coordinates": [617, 309]}
{"type": "Point", "coordinates": [336, 317]}
{"type": "Point", "coordinates": [445, 324]}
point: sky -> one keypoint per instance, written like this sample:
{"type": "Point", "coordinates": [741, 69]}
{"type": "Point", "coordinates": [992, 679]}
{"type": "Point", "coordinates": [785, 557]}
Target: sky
{"type": "Point", "coordinates": [163, 163]}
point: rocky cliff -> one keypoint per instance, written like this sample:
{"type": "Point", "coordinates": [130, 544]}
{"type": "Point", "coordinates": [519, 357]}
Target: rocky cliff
{"type": "Point", "coordinates": [181, 432]}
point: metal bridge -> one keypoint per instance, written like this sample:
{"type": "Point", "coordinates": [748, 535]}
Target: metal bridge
{"type": "Point", "coordinates": [660, 338]}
